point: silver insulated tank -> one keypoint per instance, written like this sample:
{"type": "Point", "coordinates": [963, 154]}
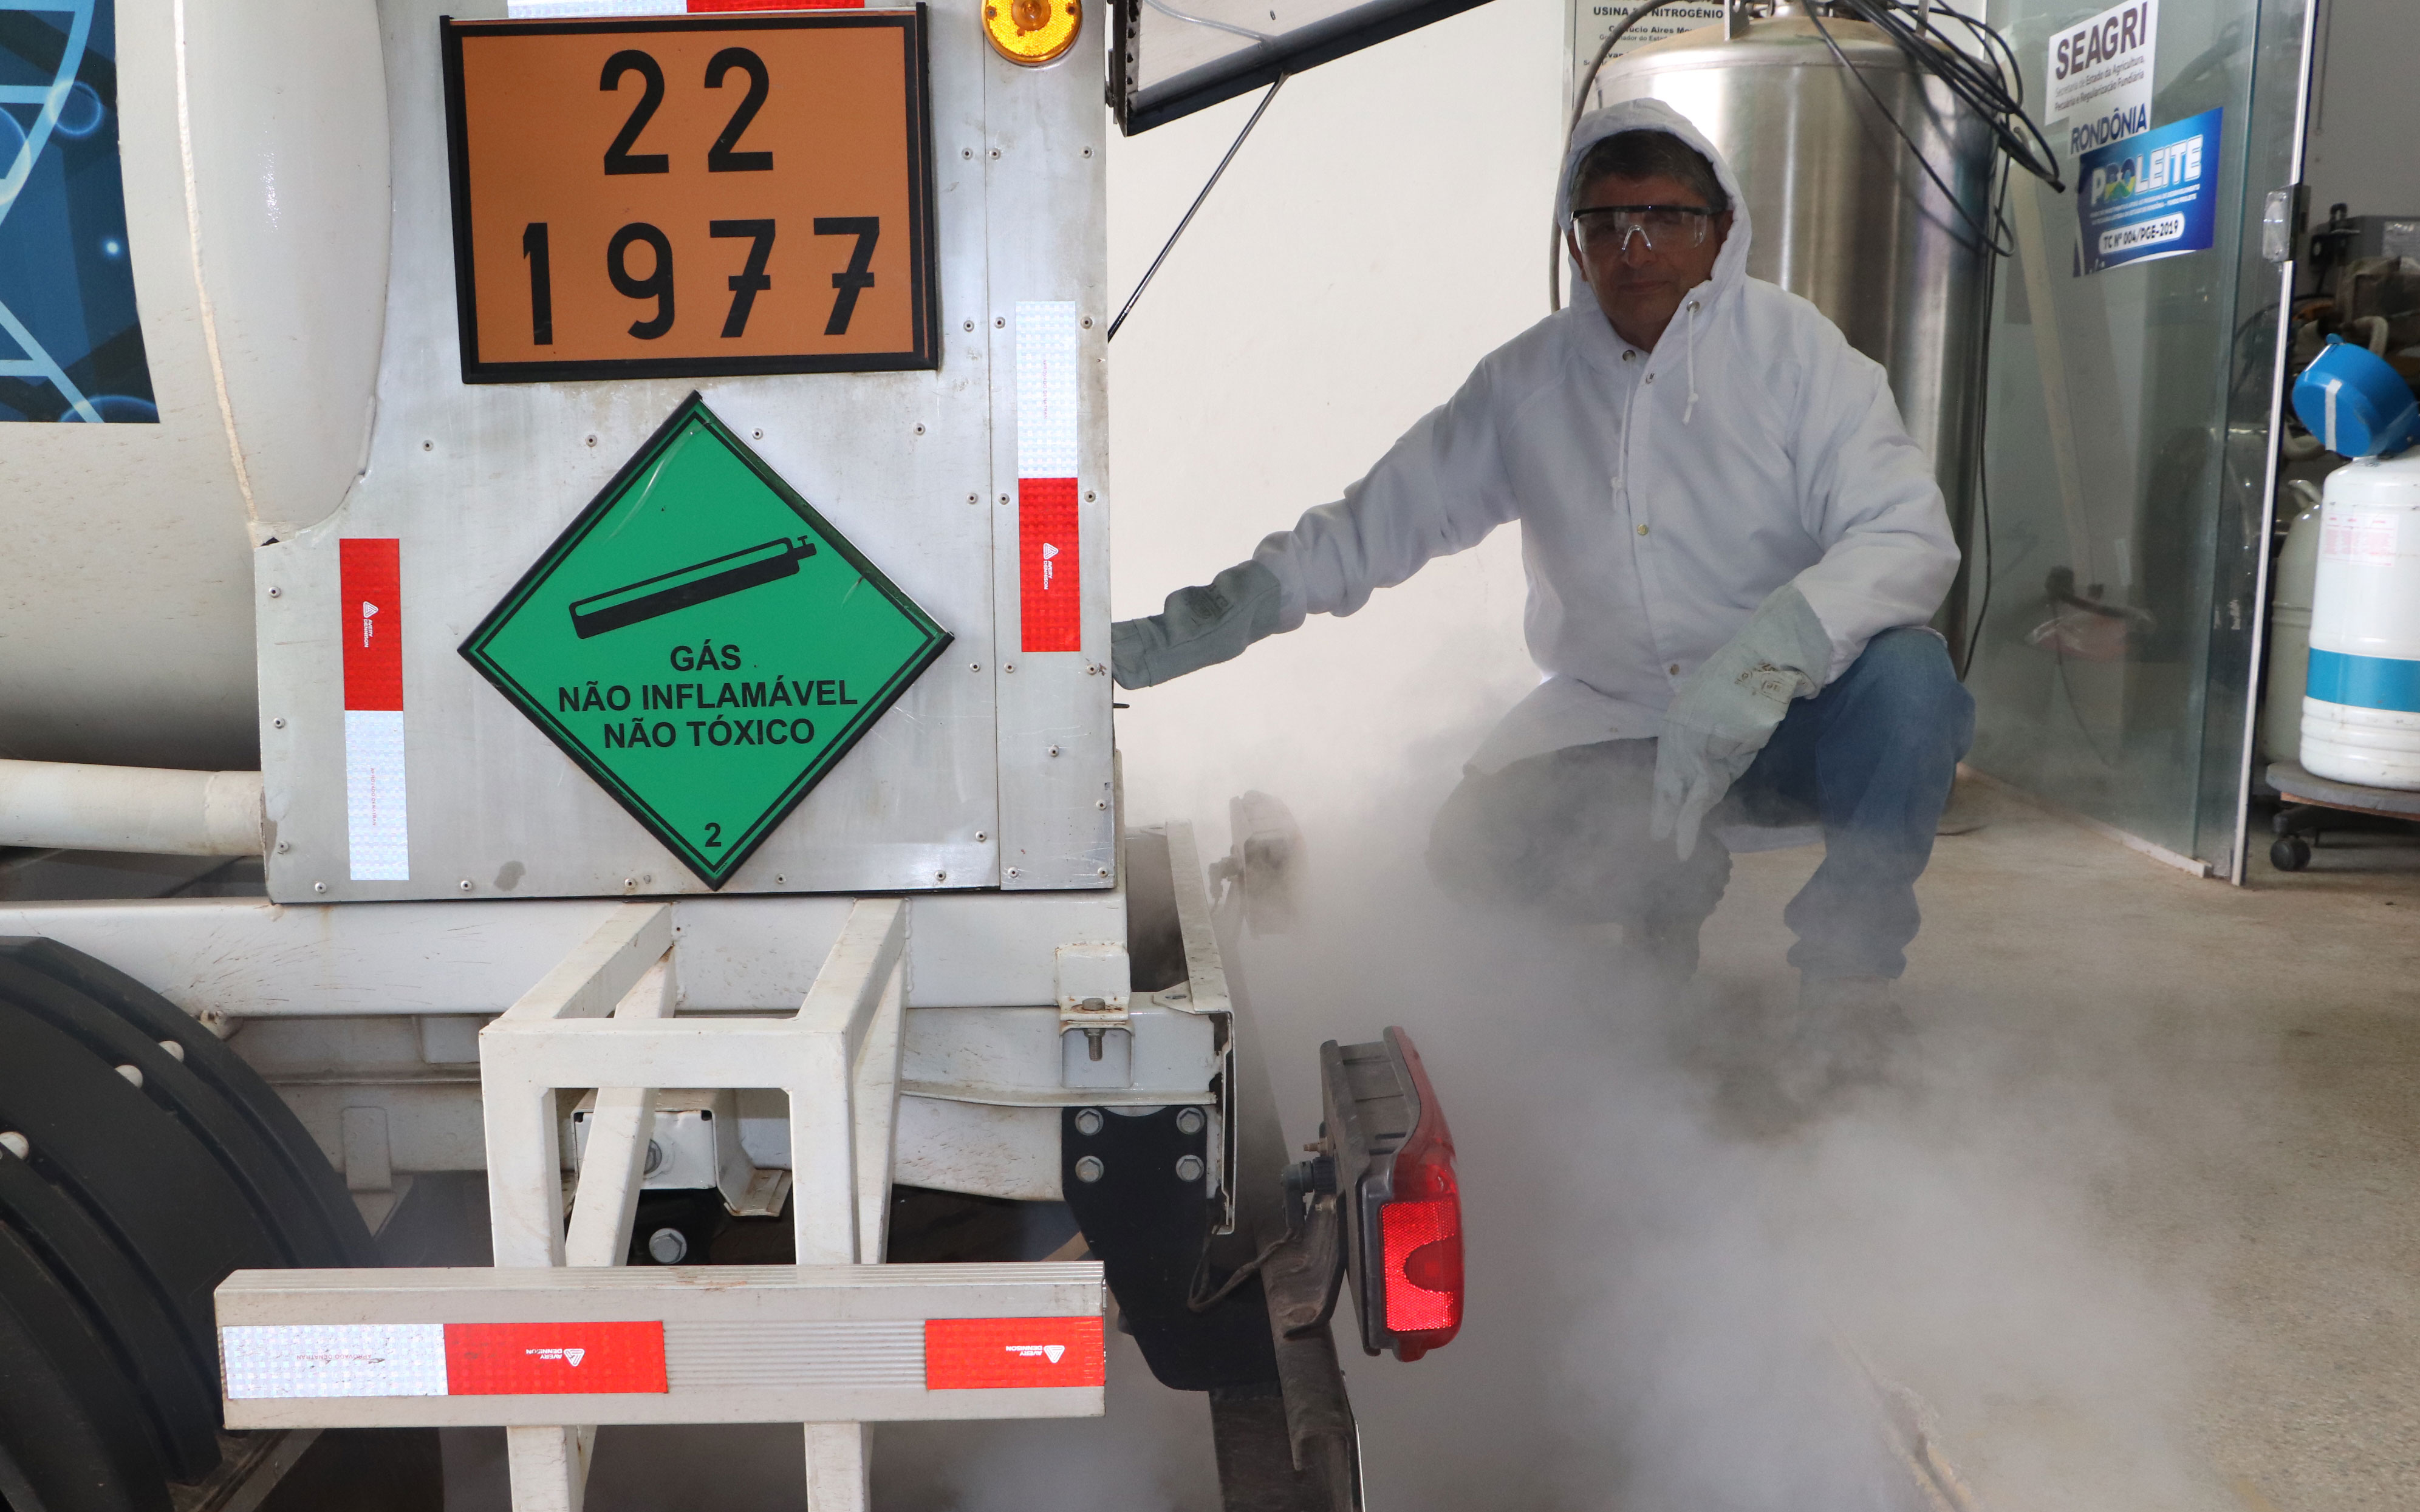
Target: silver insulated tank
{"type": "Point", "coordinates": [1845, 216]}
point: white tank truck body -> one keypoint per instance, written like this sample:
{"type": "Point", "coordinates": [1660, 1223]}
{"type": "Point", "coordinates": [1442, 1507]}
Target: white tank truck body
{"type": "Point", "coordinates": [682, 754]}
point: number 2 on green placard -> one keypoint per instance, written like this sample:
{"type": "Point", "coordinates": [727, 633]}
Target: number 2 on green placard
{"type": "Point", "coordinates": [713, 836]}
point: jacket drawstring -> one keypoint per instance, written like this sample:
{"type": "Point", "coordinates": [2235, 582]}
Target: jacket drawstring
{"type": "Point", "coordinates": [1691, 407]}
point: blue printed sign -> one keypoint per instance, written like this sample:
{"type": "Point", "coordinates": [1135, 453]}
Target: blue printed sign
{"type": "Point", "coordinates": [2151, 195]}
{"type": "Point", "coordinates": [70, 346]}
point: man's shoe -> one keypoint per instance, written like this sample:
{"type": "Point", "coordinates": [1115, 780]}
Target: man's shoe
{"type": "Point", "coordinates": [1848, 1031]}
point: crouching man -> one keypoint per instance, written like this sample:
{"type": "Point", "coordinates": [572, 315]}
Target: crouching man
{"type": "Point", "coordinates": [1732, 546]}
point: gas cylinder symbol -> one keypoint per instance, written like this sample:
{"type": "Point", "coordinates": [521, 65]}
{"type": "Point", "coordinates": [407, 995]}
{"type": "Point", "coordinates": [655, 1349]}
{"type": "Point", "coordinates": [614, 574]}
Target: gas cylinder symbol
{"type": "Point", "coordinates": [368, 609]}
{"type": "Point", "coordinates": [1048, 552]}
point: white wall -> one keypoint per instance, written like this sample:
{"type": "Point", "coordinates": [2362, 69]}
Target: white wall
{"type": "Point", "coordinates": [2364, 144]}
{"type": "Point", "coordinates": [1385, 227]}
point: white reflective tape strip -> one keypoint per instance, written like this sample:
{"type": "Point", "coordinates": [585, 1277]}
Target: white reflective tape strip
{"type": "Point", "coordinates": [1045, 389]}
{"type": "Point", "coordinates": [557, 10]}
{"type": "Point", "coordinates": [374, 810]}
{"type": "Point", "coordinates": [292, 1361]}
{"type": "Point", "coordinates": [2333, 384]}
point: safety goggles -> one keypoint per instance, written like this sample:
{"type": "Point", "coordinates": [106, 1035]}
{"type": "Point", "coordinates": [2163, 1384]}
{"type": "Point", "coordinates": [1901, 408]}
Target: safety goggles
{"type": "Point", "coordinates": [1608, 229]}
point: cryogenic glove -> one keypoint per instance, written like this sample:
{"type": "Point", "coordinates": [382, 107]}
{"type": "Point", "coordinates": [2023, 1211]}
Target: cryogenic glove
{"type": "Point", "coordinates": [1200, 626]}
{"type": "Point", "coordinates": [1729, 707]}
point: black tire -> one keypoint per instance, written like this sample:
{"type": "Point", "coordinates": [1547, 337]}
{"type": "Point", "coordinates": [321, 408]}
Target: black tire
{"type": "Point", "coordinates": [2290, 853]}
{"type": "Point", "coordinates": [147, 1177]}
{"type": "Point", "coordinates": [74, 1431]}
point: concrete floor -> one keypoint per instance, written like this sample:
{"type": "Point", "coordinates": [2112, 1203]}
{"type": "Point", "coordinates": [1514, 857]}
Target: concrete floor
{"type": "Point", "coordinates": [2213, 1091]}
{"type": "Point", "coordinates": [2137, 1230]}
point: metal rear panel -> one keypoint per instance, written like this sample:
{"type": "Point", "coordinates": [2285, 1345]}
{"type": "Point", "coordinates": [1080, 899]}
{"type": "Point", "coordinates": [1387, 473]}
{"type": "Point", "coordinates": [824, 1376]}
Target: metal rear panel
{"type": "Point", "coordinates": [473, 484]}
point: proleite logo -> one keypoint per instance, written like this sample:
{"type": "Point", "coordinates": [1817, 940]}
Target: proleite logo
{"type": "Point", "coordinates": [997, 1353]}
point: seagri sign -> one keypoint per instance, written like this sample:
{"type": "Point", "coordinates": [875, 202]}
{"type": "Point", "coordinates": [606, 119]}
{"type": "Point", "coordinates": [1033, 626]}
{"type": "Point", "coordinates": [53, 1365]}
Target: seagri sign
{"type": "Point", "coordinates": [2100, 75]}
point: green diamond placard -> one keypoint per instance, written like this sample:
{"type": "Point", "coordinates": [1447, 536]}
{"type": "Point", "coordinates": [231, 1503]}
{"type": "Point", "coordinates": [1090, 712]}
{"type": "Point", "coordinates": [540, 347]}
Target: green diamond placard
{"type": "Point", "coordinates": [703, 644]}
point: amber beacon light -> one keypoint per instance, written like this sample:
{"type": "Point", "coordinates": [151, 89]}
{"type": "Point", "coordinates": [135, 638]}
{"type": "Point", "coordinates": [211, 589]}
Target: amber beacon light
{"type": "Point", "coordinates": [1032, 32]}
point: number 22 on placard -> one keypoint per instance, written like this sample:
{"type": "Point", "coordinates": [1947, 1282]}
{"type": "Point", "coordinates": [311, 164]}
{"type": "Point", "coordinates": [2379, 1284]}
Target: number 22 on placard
{"type": "Point", "coordinates": [724, 156]}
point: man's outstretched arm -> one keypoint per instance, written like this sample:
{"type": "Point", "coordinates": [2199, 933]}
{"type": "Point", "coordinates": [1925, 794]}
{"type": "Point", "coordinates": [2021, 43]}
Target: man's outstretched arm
{"type": "Point", "coordinates": [1438, 490]}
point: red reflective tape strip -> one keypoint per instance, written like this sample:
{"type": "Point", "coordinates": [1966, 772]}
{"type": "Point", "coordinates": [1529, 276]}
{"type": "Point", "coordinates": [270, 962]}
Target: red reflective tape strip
{"type": "Point", "coordinates": [993, 1354]}
{"type": "Point", "coordinates": [369, 581]}
{"type": "Point", "coordinates": [1051, 585]}
{"type": "Point", "coordinates": [696, 7]}
{"type": "Point", "coordinates": [552, 1359]}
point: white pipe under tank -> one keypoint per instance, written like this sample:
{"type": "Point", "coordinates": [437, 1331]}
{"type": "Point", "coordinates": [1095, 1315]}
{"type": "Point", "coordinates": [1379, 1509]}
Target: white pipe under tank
{"type": "Point", "coordinates": [147, 809]}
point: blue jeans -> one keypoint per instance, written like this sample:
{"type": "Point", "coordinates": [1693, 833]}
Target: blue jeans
{"type": "Point", "coordinates": [1871, 758]}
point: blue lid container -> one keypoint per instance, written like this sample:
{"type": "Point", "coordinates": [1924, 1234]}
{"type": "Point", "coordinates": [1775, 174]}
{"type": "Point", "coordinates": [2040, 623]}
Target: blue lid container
{"type": "Point", "coordinates": [2354, 403]}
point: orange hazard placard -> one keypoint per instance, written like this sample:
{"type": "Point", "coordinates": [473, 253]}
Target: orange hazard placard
{"type": "Point", "coordinates": [685, 196]}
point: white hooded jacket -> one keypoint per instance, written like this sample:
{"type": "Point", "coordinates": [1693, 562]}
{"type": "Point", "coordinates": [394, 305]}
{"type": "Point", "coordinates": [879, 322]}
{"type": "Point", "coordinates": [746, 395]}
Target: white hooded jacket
{"type": "Point", "coordinates": [1662, 495]}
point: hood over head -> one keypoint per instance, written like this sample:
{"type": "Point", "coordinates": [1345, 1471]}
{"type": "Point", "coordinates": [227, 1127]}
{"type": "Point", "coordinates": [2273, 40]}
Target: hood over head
{"type": "Point", "coordinates": [1656, 116]}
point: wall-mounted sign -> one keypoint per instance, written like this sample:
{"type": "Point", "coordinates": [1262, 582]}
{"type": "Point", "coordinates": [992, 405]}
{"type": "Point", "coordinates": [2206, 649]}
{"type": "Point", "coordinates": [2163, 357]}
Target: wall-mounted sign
{"type": "Point", "coordinates": [2100, 75]}
{"type": "Point", "coordinates": [703, 644]}
{"type": "Point", "coordinates": [2151, 195]}
{"type": "Point", "coordinates": [1588, 21]}
{"type": "Point", "coordinates": [682, 196]}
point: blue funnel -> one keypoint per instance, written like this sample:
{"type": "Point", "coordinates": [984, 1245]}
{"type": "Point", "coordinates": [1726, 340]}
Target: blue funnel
{"type": "Point", "coordinates": [2354, 403]}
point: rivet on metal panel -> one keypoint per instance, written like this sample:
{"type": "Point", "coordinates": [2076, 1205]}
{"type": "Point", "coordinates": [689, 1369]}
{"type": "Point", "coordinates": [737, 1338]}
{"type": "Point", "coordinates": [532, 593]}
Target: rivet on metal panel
{"type": "Point", "coordinates": [757, 436]}
{"type": "Point", "coordinates": [974, 666]}
{"type": "Point", "coordinates": [967, 152]}
{"type": "Point", "coordinates": [1090, 496]}
{"type": "Point", "coordinates": [428, 446]}
{"type": "Point", "coordinates": [629, 881]}
{"type": "Point", "coordinates": [981, 836]}
{"type": "Point", "coordinates": [1004, 499]}
{"type": "Point", "coordinates": [1054, 750]}
{"type": "Point", "coordinates": [466, 885]}
{"type": "Point", "coordinates": [973, 499]}
{"type": "Point", "coordinates": [1000, 322]}
{"type": "Point", "coordinates": [1088, 322]}
{"type": "Point", "coordinates": [940, 876]}
{"type": "Point", "coordinates": [1008, 667]}
{"type": "Point", "coordinates": [285, 846]}
{"type": "Point", "coordinates": [971, 325]}
{"type": "Point", "coordinates": [920, 430]}
{"type": "Point", "coordinates": [1088, 152]}
{"type": "Point", "coordinates": [592, 440]}
{"type": "Point", "coordinates": [1102, 803]}
{"type": "Point", "coordinates": [276, 592]}
{"type": "Point", "coordinates": [1012, 871]}
{"type": "Point", "coordinates": [1090, 1169]}
{"type": "Point", "coordinates": [318, 886]}
{"type": "Point", "coordinates": [1101, 872]}
{"type": "Point", "coordinates": [995, 152]}
{"type": "Point", "coordinates": [277, 724]}
{"type": "Point", "coordinates": [1188, 1167]}
{"type": "Point", "coordinates": [1088, 1123]}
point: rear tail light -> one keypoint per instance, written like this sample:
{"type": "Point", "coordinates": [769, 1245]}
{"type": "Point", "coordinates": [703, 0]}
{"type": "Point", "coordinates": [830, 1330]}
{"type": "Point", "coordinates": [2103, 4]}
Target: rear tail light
{"type": "Point", "coordinates": [1420, 1226]}
{"type": "Point", "coordinates": [1393, 1172]}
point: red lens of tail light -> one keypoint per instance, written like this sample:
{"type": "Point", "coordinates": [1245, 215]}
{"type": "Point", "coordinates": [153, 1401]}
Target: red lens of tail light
{"type": "Point", "coordinates": [1419, 1228]}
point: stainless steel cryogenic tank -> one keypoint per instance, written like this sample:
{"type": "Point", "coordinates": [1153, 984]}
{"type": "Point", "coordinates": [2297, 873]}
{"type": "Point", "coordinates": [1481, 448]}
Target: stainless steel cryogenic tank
{"type": "Point", "coordinates": [1845, 215]}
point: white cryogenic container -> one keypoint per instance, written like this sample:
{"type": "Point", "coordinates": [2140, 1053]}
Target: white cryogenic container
{"type": "Point", "coordinates": [2290, 629]}
{"type": "Point", "coordinates": [2361, 710]}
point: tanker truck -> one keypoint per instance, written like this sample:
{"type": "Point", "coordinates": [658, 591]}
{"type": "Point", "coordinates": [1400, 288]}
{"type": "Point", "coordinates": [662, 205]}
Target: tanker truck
{"type": "Point", "coordinates": [555, 663]}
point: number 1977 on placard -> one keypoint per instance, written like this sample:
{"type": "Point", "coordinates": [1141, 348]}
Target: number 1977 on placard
{"type": "Point", "coordinates": [657, 281]}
